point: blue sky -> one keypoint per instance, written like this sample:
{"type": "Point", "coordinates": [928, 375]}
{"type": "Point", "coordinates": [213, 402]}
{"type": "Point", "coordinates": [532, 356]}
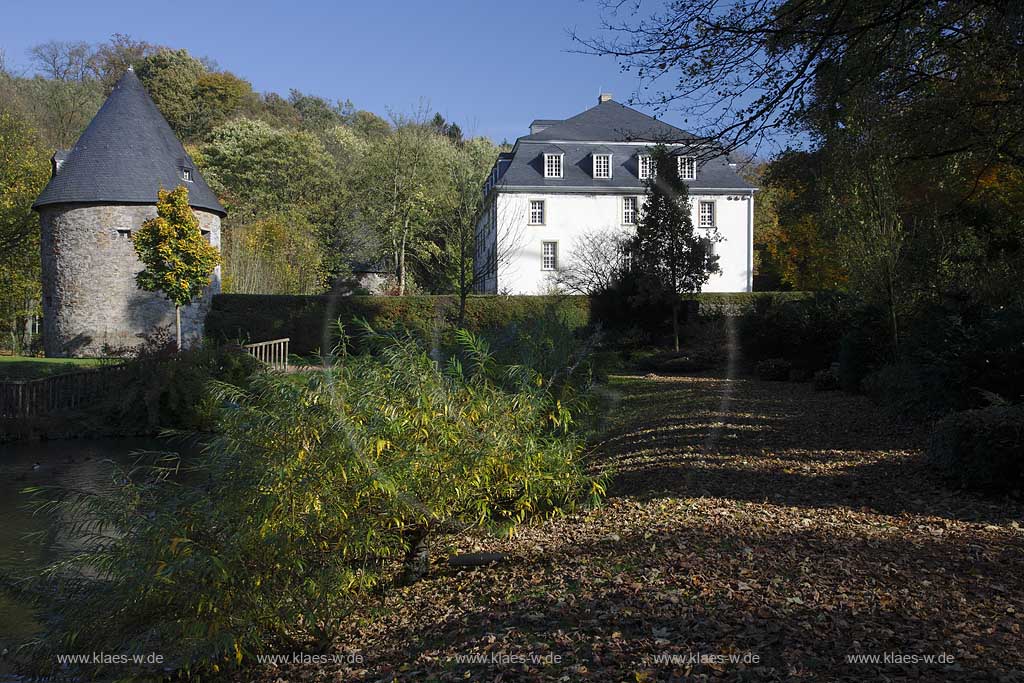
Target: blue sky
{"type": "Point", "coordinates": [491, 67]}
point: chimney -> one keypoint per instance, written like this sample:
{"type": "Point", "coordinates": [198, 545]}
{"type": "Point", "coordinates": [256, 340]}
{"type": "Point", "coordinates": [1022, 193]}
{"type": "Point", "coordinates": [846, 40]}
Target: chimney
{"type": "Point", "coordinates": [604, 97]}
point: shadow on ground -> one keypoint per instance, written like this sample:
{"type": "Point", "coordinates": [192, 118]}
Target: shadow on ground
{"type": "Point", "coordinates": [781, 443]}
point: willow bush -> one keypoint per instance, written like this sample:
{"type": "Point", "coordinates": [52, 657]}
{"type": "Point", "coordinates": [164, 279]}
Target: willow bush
{"type": "Point", "coordinates": [319, 488]}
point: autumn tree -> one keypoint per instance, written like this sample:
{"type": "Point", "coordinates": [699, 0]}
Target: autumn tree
{"type": "Point", "coordinates": [667, 256]}
{"type": "Point", "coordinates": [456, 255]}
{"type": "Point", "coordinates": [946, 77]}
{"type": "Point", "coordinates": [177, 258]}
{"type": "Point", "coordinates": [23, 174]}
{"type": "Point", "coordinates": [111, 59]}
{"type": "Point", "coordinates": [394, 190]}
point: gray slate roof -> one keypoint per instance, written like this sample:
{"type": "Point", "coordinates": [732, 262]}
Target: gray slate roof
{"type": "Point", "coordinates": [580, 136]}
{"type": "Point", "coordinates": [610, 121]}
{"type": "Point", "coordinates": [127, 153]}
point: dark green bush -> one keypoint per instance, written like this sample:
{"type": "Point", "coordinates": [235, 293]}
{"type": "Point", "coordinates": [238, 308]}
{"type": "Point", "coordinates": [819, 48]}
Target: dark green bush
{"type": "Point", "coordinates": [826, 380]}
{"type": "Point", "coordinates": [981, 449]}
{"type": "Point", "coordinates": [805, 330]}
{"type": "Point", "coordinates": [914, 391]}
{"type": "Point", "coordinates": [951, 357]}
{"type": "Point", "coordinates": [160, 390]}
{"type": "Point", "coordinates": [309, 321]}
{"type": "Point", "coordinates": [774, 369]}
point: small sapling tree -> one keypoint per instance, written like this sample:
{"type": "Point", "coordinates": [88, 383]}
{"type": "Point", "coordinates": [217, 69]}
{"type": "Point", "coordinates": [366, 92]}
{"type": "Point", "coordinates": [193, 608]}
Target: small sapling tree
{"type": "Point", "coordinates": [178, 261]}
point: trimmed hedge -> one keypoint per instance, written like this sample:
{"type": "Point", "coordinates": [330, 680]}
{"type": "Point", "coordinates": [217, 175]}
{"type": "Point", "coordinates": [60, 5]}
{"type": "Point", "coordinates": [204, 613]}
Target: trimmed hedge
{"type": "Point", "coordinates": [309, 321]}
{"type": "Point", "coordinates": [981, 449]}
{"type": "Point", "coordinates": [717, 304]}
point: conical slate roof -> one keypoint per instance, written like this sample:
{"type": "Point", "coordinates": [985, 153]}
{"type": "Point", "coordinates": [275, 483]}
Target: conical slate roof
{"type": "Point", "coordinates": [127, 153]}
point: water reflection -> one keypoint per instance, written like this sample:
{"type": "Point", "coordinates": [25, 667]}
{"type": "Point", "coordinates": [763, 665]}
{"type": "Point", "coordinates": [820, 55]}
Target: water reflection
{"type": "Point", "coordinates": [80, 464]}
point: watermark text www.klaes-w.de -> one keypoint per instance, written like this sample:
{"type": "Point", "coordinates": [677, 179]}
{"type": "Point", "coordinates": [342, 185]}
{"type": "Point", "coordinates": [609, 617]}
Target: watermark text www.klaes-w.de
{"type": "Point", "coordinates": [900, 658]}
{"type": "Point", "coordinates": [110, 658]}
{"type": "Point", "coordinates": [311, 658]}
{"type": "Point", "coordinates": [706, 658]}
{"type": "Point", "coordinates": [509, 658]}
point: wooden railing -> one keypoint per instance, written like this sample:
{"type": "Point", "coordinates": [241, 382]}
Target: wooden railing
{"type": "Point", "coordinates": [36, 397]}
{"type": "Point", "coordinates": [273, 353]}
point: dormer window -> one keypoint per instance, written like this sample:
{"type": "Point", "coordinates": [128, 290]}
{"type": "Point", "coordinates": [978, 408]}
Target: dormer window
{"type": "Point", "coordinates": [552, 165]}
{"type": "Point", "coordinates": [186, 174]}
{"type": "Point", "coordinates": [687, 168]}
{"type": "Point", "coordinates": [602, 165]}
{"type": "Point", "coordinates": [645, 166]}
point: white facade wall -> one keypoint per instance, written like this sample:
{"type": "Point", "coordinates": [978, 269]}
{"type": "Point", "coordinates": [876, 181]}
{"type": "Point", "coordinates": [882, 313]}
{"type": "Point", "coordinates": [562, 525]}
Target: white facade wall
{"type": "Point", "coordinates": [570, 217]}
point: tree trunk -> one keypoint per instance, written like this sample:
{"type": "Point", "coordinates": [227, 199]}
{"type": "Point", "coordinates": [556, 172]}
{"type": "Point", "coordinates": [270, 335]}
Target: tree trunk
{"type": "Point", "coordinates": [675, 323]}
{"type": "Point", "coordinates": [462, 309]}
{"type": "Point", "coordinates": [177, 325]}
{"type": "Point", "coordinates": [401, 260]}
{"type": "Point", "coordinates": [417, 557]}
{"type": "Point", "coordinates": [891, 286]}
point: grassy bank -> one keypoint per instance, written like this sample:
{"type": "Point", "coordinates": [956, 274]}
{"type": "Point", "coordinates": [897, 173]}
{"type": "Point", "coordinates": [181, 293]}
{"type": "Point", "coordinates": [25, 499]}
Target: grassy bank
{"type": "Point", "coordinates": [28, 367]}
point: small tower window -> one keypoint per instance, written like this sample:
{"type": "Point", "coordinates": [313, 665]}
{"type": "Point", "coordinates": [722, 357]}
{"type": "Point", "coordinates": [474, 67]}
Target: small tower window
{"type": "Point", "coordinates": [124, 234]}
{"type": "Point", "coordinates": [186, 174]}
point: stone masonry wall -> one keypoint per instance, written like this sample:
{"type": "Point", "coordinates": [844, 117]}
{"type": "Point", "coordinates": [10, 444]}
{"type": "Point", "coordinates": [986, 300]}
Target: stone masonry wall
{"type": "Point", "coordinates": [89, 294]}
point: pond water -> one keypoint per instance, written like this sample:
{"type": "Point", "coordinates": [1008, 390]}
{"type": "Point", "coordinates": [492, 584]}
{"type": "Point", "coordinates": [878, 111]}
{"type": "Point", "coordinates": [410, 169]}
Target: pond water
{"type": "Point", "coordinates": [82, 464]}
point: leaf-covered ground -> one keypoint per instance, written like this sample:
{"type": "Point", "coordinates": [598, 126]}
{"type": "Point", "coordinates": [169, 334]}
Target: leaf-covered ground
{"type": "Point", "coordinates": [754, 531]}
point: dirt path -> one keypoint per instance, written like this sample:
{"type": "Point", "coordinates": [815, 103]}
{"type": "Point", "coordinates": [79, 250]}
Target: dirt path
{"type": "Point", "coordinates": [754, 531]}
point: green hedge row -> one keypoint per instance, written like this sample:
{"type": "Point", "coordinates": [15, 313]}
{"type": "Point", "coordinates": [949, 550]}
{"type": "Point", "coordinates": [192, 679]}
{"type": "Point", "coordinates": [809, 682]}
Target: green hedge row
{"type": "Point", "coordinates": [309, 321]}
{"type": "Point", "coordinates": [717, 304]}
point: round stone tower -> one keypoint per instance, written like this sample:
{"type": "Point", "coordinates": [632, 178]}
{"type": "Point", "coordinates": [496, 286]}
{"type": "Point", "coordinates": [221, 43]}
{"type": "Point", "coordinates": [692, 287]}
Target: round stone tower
{"type": "Point", "coordinates": [100, 192]}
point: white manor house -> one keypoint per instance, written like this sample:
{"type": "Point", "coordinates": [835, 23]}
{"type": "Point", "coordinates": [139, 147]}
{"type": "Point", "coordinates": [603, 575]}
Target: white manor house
{"type": "Point", "coordinates": [572, 178]}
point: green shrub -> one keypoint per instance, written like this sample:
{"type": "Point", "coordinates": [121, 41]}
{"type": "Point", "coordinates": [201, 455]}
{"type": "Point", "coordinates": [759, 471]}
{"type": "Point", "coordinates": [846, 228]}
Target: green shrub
{"type": "Point", "coordinates": [320, 486]}
{"type": "Point", "coordinates": [826, 380]}
{"type": "Point", "coordinates": [157, 387]}
{"type": "Point", "coordinates": [309, 321]}
{"type": "Point", "coordinates": [981, 449]}
{"type": "Point", "coordinates": [915, 391]}
{"type": "Point", "coordinates": [805, 330]}
{"type": "Point", "coordinates": [774, 369]}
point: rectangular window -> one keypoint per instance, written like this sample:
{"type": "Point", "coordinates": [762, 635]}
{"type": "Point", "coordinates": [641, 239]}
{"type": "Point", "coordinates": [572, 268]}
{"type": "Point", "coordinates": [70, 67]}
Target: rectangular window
{"type": "Point", "coordinates": [687, 168]}
{"type": "Point", "coordinates": [646, 167]}
{"type": "Point", "coordinates": [602, 165]}
{"type": "Point", "coordinates": [629, 210]}
{"type": "Point", "coordinates": [124, 234]}
{"type": "Point", "coordinates": [706, 215]}
{"type": "Point", "coordinates": [186, 175]}
{"type": "Point", "coordinates": [536, 212]}
{"type": "Point", "coordinates": [549, 256]}
{"type": "Point", "coordinates": [552, 165]}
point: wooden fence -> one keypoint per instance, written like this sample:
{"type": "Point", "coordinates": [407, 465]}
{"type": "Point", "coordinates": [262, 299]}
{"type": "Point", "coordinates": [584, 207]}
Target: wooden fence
{"type": "Point", "coordinates": [273, 353]}
{"type": "Point", "coordinates": [36, 397]}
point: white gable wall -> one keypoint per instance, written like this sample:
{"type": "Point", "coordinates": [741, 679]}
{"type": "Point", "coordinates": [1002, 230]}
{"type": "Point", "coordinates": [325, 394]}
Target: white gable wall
{"type": "Point", "coordinates": [570, 217]}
